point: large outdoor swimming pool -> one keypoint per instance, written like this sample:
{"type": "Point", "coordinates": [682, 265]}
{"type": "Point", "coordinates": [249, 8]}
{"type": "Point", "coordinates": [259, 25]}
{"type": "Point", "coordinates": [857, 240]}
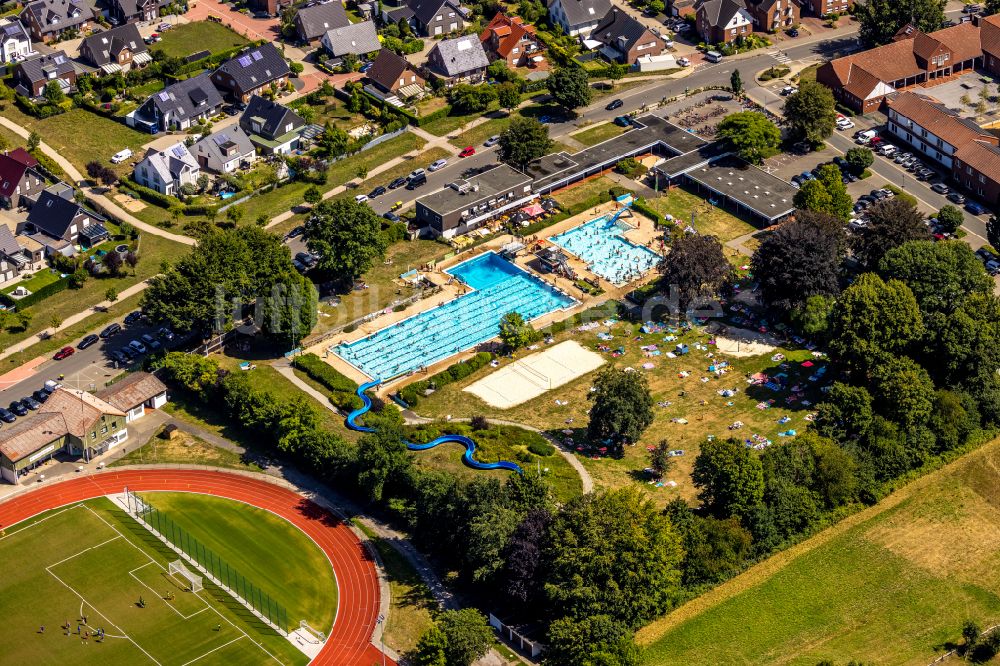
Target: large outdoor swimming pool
{"type": "Point", "coordinates": [460, 324]}
{"type": "Point", "coordinates": [601, 244]}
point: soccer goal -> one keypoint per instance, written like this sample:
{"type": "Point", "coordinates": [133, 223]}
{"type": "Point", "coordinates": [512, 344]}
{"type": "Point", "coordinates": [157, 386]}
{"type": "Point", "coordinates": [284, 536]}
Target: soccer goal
{"type": "Point", "coordinates": [178, 567]}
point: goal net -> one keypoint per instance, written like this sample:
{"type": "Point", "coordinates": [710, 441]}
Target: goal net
{"type": "Point", "coordinates": [178, 567]}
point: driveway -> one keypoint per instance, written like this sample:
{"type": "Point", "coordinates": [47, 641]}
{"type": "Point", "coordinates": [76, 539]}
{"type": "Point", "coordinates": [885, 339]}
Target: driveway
{"type": "Point", "coordinates": [251, 28]}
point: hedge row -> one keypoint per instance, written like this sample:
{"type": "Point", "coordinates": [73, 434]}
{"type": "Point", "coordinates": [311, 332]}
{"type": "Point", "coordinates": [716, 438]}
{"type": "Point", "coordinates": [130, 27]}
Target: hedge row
{"type": "Point", "coordinates": [35, 296]}
{"type": "Point", "coordinates": [166, 201]}
{"type": "Point", "coordinates": [411, 394]}
{"type": "Point", "coordinates": [641, 206]}
{"type": "Point", "coordinates": [40, 111]}
{"type": "Point", "coordinates": [343, 389]}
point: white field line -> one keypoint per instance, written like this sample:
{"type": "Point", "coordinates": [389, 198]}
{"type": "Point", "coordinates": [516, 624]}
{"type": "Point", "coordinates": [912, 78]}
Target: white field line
{"type": "Point", "coordinates": [238, 638]}
{"type": "Point", "coordinates": [160, 596]}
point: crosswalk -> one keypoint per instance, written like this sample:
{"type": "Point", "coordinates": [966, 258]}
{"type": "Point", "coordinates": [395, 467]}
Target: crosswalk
{"type": "Point", "coordinates": [780, 57]}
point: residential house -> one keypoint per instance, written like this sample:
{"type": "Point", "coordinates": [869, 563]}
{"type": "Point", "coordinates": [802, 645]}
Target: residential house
{"type": "Point", "coordinates": [166, 171]}
{"type": "Point", "coordinates": [394, 15]}
{"type": "Point", "coordinates": [134, 393]}
{"type": "Point", "coordinates": [71, 421]}
{"type": "Point", "coordinates": [58, 222]}
{"type": "Point", "coordinates": [989, 39]}
{"type": "Point", "coordinates": [459, 60]}
{"type": "Point", "coordinates": [115, 50]}
{"type": "Point", "coordinates": [15, 44]}
{"type": "Point", "coordinates": [31, 76]}
{"type": "Point", "coordinates": [773, 15]}
{"type": "Point", "coordinates": [722, 21]}
{"type": "Point", "coordinates": [357, 39]}
{"type": "Point", "coordinates": [827, 7]}
{"type": "Point", "coordinates": [48, 19]}
{"type": "Point", "coordinates": [20, 179]}
{"type": "Point", "coordinates": [252, 72]}
{"type": "Point", "coordinates": [19, 255]}
{"type": "Point", "coordinates": [312, 21]}
{"type": "Point", "coordinates": [510, 39]}
{"type": "Point", "coordinates": [682, 8]}
{"type": "Point", "coordinates": [437, 17]}
{"type": "Point", "coordinates": [624, 39]}
{"type": "Point", "coordinates": [225, 151]}
{"type": "Point", "coordinates": [130, 11]}
{"type": "Point", "coordinates": [391, 77]}
{"type": "Point", "coordinates": [862, 80]}
{"type": "Point", "coordinates": [272, 7]}
{"type": "Point", "coordinates": [578, 17]}
{"type": "Point", "coordinates": [273, 128]}
{"type": "Point", "coordinates": [178, 106]}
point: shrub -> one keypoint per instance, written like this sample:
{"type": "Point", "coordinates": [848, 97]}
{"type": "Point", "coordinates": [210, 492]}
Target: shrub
{"type": "Point", "coordinates": [343, 388]}
{"type": "Point", "coordinates": [541, 448]}
{"type": "Point", "coordinates": [411, 393]}
{"type": "Point", "coordinates": [479, 422]}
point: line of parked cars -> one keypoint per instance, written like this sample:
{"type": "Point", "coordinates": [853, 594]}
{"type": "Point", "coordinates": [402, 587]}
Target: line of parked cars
{"type": "Point", "coordinates": [990, 261]}
{"type": "Point", "coordinates": [28, 403]}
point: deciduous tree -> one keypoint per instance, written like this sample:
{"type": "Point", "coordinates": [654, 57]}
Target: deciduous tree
{"type": "Point", "coordinates": [347, 237]}
{"type": "Point", "coordinates": [524, 140]}
{"type": "Point", "coordinates": [622, 409]}
{"type": "Point", "coordinates": [950, 218]}
{"type": "Point", "coordinates": [694, 268]}
{"type": "Point", "coordinates": [810, 112]}
{"type": "Point", "coordinates": [891, 222]}
{"type": "Point", "coordinates": [729, 478]}
{"type": "Point", "coordinates": [570, 87]}
{"type": "Point", "coordinates": [751, 134]}
{"type": "Point", "coordinates": [468, 636]}
{"type": "Point", "coordinates": [880, 20]}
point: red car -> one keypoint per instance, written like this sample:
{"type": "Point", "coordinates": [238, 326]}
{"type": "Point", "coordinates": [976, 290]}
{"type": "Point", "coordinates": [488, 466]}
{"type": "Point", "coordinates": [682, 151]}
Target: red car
{"type": "Point", "coordinates": [468, 151]}
{"type": "Point", "coordinates": [65, 352]}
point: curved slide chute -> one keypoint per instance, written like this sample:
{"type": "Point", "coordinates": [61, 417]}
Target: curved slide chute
{"type": "Point", "coordinates": [469, 444]}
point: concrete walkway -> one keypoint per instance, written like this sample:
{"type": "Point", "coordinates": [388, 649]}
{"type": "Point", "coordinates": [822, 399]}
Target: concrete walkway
{"type": "Point", "coordinates": [71, 320]}
{"type": "Point", "coordinates": [104, 202]}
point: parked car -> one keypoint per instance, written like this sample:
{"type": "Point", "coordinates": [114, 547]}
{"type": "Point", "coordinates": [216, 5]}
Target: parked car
{"type": "Point", "coordinates": [65, 352]}
{"type": "Point", "coordinates": [360, 198]}
{"type": "Point", "coordinates": [468, 151]}
{"type": "Point", "coordinates": [414, 183]}
{"type": "Point", "coordinates": [623, 121]}
{"type": "Point", "coordinates": [788, 90]}
{"type": "Point", "coordinates": [121, 156]}
{"type": "Point", "coordinates": [940, 188]}
{"type": "Point", "coordinates": [794, 32]}
{"type": "Point", "coordinates": [955, 197]}
{"type": "Point", "coordinates": [397, 182]}
{"type": "Point", "coordinates": [133, 317]}
{"type": "Point", "coordinates": [805, 175]}
{"type": "Point", "coordinates": [40, 395]}
{"type": "Point", "coordinates": [975, 208]}
{"type": "Point", "coordinates": [164, 26]}
{"type": "Point", "coordinates": [615, 104]}
{"type": "Point", "coordinates": [683, 62]}
{"type": "Point", "coordinates": [261, 15]}
{"type": "Point", "coordinates": [297, 231]}
{"type": "Point", "coordinates": [437, 165]}
{"type": "Point", "coordinates": [30, 403]}
{"type": "Point", "coordinates": [150, 341]}
{"type": "Point", "coordinates": [7, 416]}
{"type": "Point", "coordinates": [166, 334]}
{"type": "Point", "coordinates": [845, 124]}
{"type": "Point", "coordinates": [88, 341]}
{"type": "Point", "coordinates": [392, 217]}
{"type": "Point", "coordinates": [377, 192]}
{"type": "Point", "coordinates": [306, 259]}
{"type": "Point", "coordinates": [492, 141]}
{"type": "Point", "coordinates": [138, 346]}
{"type": "Point", "coordinates": [416, 173]}
{"type": "Point", "coordinates": [119, 357]}
{"type": "Point", "coordinates": [18, 408]}
{"type": "Point", "coordinates": [109, 330]}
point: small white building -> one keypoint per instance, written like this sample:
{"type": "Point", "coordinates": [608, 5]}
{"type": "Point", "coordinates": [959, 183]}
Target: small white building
{"type": "Point", "coordinates": [15, 44]}
{"type": "Point", "coordinates": [134, 394]}
{"type": "Point", "coordinates": [168, 170]}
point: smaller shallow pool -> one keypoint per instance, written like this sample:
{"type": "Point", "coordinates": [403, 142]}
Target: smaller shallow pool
{"type": "Point", "coordinates": [602, 245]}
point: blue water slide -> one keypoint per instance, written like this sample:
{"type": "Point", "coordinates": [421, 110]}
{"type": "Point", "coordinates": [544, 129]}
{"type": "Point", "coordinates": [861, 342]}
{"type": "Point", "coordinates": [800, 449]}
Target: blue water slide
{"type": "Point", "coordinates": [620, 211]}
{"type": "Point", "coordinates": [468, 443]}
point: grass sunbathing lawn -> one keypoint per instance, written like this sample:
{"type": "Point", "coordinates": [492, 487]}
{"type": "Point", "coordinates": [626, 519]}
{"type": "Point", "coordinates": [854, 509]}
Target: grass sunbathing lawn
{"type": "Point", "coordinates": [598, 133]}
{"type": "Point", "coordinates": [687, 409]}
{"type": "Point", "coordinates": [890, 585]}
{"type": "Point", "coordinates": [709, 220]}
{"type": "Point", "coordinates": [187, 38]}
{"type": "Point", "coordinates": [583, 191]}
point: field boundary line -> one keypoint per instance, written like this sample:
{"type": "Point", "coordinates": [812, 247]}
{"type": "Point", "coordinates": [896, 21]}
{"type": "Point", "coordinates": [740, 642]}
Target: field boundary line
{"type": "Point", "coordinates": [238, 638]}
{"type": "Point", "coordinates": [38, 522]}
{"type": "Point", "coordinates": [98, 545]}
{"type": "Point", "coordinates": [160, 597]}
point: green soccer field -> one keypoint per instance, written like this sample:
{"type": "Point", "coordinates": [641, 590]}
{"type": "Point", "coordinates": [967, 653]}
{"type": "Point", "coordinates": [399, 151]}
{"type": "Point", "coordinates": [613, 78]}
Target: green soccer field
{"type": "Point", "coordinates": [91, 560]}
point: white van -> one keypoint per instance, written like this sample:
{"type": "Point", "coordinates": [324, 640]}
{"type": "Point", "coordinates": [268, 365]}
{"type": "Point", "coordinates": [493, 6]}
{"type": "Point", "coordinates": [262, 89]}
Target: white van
{"type": "Point", "coordinates": [713, 56]}
{"type": "Point", "coordinates": [864, 137]}
{"type": "Point", "coordinates": [121, 156]}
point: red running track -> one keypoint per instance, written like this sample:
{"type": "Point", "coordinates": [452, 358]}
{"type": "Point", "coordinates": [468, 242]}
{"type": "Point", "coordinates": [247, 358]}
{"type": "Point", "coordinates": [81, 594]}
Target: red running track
{"type": "Point", "coordinates": [348, 643]}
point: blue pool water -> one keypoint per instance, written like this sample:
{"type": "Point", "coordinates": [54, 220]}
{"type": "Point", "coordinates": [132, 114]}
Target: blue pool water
{"type": "Point", "coordinates": [606, 251]}
{"type": "Point", "coordinates": [226, 195]}
{"type": "Point", "coordinates": [461, 323]}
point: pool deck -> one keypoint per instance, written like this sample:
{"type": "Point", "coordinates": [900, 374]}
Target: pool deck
{"type": "Point", "coordinates": [643, 232]}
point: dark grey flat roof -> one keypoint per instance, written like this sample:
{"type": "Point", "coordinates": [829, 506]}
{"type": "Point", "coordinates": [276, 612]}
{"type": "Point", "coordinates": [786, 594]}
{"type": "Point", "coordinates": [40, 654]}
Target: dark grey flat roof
{"type": "Point", "coordinates": [764, 194]}
{"type": "Point", "coordinates": [491, 183]}
{"type": "Point", "coordinates": [675, 166]}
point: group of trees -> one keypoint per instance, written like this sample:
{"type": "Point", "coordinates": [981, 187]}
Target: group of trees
{"type": "Point", "coordinates": [524, 140]}
{"type": "Point", "coordinates": [230, 275]}
{"type": "Point", "coordinates": [347, 237]}
{"type": "Point", "coordinates": [825, 194]}
{"type": "Point", "coordinates": [880, 20]}
{"type": "Point", "coordinates": [751, 134]}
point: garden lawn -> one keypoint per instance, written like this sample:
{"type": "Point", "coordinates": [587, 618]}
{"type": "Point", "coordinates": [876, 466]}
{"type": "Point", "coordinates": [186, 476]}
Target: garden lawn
{"type": "Point", "coordinates": [583, 191]}
{"type": "Point", "coordinates": [448, 124]}
{"type": "Point", "coordinates": [477, 135]}
{"type": "Point", "coordinates": [187, 38]}
{"type": "Point", "coordinates": [709, 220]}
{"type": "Point", "coordinates": [809, 73]}
{"type": "Point", "coordinates": [705, 411]}
{"type": "Point", "coordinates": [597, 134]}
{"type": "Point", "coordinates": [184, 449]}
{"type": "Point", "coordinates": [891, 585]}
{"type": "Point", "coordinates": [267, 550]}
{"type": "Point", "coordinates": [40, 279]}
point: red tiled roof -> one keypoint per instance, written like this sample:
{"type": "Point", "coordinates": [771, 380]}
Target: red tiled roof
{"type": "Point", "coordinates": [983, 157]}
{"type": "Point", "coordinates": [509, 30]}
{"type": "Point", "coordinates": [989, 34]}
{"type": "Point", "coordinates": [860, 82]}
{"type": "Point", "coordinates": [936, 119]}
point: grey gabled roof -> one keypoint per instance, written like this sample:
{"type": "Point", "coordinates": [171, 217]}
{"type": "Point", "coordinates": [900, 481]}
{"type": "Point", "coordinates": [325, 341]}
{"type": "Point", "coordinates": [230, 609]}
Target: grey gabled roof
{"type": "Point", "coordinates": [619, 30]}
{"type": "Point", "coordinates": [426, 10]}
{"type": "Point", "coordinates": [37, 68]}
{"type": "Point", "coordinates": [187, 98]}
{"type": "Point", "coordinates": [53, 214]}
{"type": "Point", "coordinates": [45, 11]}
{"type": "Point", "coordinates": [257, 66]}
{"type": "Point", "coordinates": [460, 55]}
{"type": "Point", "coordinates": [274, 118]}
{"type": "Point", "coordinates": [720, 12]}
{"type": "Point", "coordinates": [387, 68]}
{"type": "Point", "coordinates": [8, 244]}
{"type": "Point", "coordinates": [315, 20]}
{"type": "Point", "coordinates": [105, 46]}
{"type": "Point", "coordinates": [12, 30]}
{"type": "Point", "coordinates": [218, 144]}
{"type": "Point", "coordinates": [357, 38]}
{"type": "Point", "coordinates": [581, 12]}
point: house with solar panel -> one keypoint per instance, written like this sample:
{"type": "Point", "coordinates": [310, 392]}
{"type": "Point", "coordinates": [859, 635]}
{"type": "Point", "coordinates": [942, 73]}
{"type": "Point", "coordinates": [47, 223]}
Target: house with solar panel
{"type": "Point", "coordinates": [49, 19]}
{"type": "Point", "coordinates": [31, 76]}
{"type": "Point", "coordinates": [459, 60]}
{"type": "Point", "coordinates": [127, 11]}
{"type": "Point", "coordinates": [15, 44]}
{"type": "Point", "coordinates": [225, 151]}
{"type": "Point", "coordinates": [116, 50]}
{"type": "Point", "coordinates": [167, 171]}
{"type": "Point", "coordinates": [178, 106]}
{"type": "Point", "coordinates": [273, 128]}
{"type": "Point", "coordinates": [252, 72]}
